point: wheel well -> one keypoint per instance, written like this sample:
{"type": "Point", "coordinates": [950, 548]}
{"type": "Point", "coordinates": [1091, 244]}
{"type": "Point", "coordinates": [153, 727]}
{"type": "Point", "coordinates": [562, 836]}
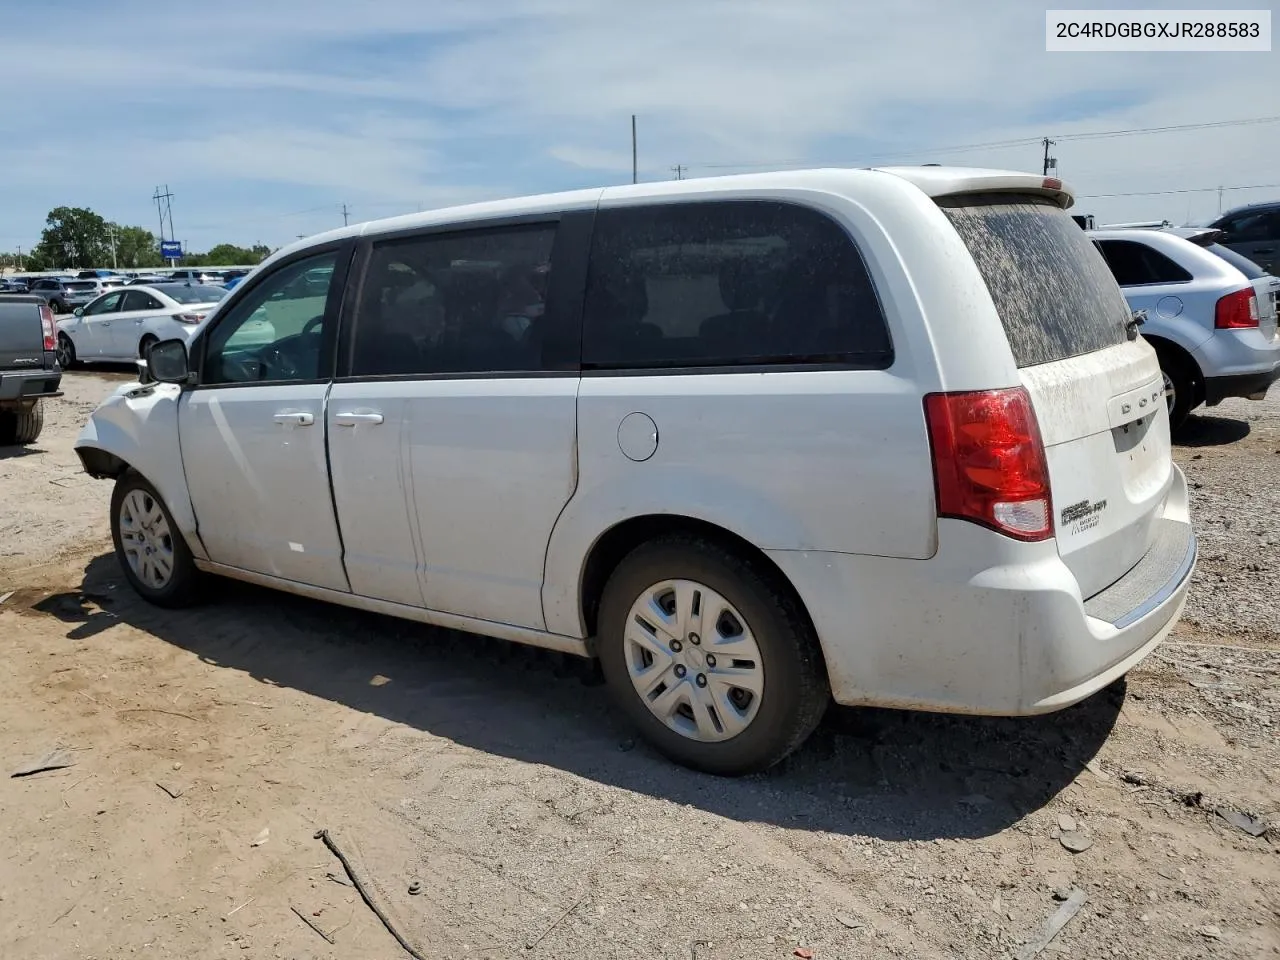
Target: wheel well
{"type": "Point", "coordinates": [618, 541]}
{"type": "Point", "coordinates": [1167, 348]}
{"type": "Point", "coordinates": [144, 340]}
{"type": "Point", "coordinates": [99, 464]}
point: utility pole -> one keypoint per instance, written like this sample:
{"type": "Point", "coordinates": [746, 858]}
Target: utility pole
{"type": "Point", "coordinates": [344, 215]}
{"type": "Point", "coordinates": [1050, 163]}
{"type": "Point", "coordinates": [1219, 199]}
{"type": "Point", "coordinates": [633, 149]}
{"type": "Point", "coordinates": [163, 206]}
{"type": "Point", "coordinates": [111, 232]}
{"type": "Point", "coordinates": [679, 170]}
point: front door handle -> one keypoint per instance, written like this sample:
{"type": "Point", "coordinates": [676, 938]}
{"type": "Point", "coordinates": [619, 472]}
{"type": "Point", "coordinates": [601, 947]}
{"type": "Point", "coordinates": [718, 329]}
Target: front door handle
{"type": "Point", "coordinates": [295, 419]}
{"type": "Point", "coordinates": [353, 418]}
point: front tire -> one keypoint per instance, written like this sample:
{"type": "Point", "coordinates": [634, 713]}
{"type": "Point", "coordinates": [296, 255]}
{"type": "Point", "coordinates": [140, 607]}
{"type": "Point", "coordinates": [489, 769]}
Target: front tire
{"type": "Point", "coordinates": [21, 426]}
{"type": "Point", "coordinates": [152, 551]}
{"type": "Point", "coordinates": [710, 656]}
{"type": "Point", "coordinates": [66, 352]}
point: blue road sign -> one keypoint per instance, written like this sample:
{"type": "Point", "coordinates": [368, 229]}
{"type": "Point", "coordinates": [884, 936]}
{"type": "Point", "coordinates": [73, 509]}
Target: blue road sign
{"type": "Point", "coordinates": [171, 249]}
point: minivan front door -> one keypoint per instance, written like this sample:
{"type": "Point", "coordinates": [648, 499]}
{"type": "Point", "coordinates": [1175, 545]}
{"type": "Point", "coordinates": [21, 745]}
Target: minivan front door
{"type": "Point", "coordinates": [253, 429]}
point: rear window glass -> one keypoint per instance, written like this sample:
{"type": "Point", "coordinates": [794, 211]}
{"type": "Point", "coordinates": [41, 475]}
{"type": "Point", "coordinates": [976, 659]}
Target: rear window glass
{"type": "Point", "coordinates": [192, 293]}
{"type": "Point", "coordinates": [1055, 294]}
{"type": "Point", "coordinates": [1242, 263]}
{"type": "Point", "coordinates": [82, 285]}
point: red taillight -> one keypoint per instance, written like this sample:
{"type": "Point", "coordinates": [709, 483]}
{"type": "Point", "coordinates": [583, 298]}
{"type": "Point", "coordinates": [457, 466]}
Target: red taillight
{"type": "Point", "coordinates": [46, 324]}
{"type": "Point", "coordinates": [1052, 183]}
{"type": "Point", "coordinates": [1237, 311]}
{"type": "Point", "coordinates": [988, 461]}
{"type": "Point", "coordinates": [188, 317]}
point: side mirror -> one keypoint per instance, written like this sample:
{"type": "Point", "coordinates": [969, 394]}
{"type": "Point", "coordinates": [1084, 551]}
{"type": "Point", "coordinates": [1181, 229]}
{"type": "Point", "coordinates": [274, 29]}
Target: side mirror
{"type": "Point", "coordinates": [79, 311]}
{"type": "Point", "coordinates": [167, 362]}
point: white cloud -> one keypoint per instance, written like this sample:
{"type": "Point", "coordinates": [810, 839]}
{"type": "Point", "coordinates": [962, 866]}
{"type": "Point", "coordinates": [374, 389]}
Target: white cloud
{"type": "Point", "coordinates": [400, 101]}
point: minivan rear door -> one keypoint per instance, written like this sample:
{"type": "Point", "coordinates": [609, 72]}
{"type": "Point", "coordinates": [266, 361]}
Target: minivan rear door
{"type": "Point", "coordinates": [1095, 385]}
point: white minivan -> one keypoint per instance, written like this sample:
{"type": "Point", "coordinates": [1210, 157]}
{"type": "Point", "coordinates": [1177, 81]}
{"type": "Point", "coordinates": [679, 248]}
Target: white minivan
{"type": "Point", "coordinates": [886, 436]}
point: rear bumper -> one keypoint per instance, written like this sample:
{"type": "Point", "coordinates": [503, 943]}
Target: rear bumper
{"type": "Point", "coordinates": [29, 384]}
{"type": "Point", "coordinates": [1251, 385]}
{"type": "Point", "coordinates": [988, 625]}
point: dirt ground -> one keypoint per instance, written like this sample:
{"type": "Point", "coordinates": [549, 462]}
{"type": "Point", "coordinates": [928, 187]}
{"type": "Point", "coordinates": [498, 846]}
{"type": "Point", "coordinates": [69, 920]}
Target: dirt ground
{"type": "Point", "coordinates": [503, 785]}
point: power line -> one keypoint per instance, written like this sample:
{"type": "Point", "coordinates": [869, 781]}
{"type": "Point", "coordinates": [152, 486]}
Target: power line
{"type": "Point", "coordinates": [999, 144]}
{"type": "Point", "coordinates": [1158, 193]}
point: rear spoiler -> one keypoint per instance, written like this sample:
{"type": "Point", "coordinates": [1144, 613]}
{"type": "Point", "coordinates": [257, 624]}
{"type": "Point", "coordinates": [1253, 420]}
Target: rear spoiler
{"type": "Point", "coordinates": [938, 182]}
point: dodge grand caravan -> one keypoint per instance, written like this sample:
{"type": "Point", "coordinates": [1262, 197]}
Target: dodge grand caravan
{"type": "Point", "coordinates": [886, 436]}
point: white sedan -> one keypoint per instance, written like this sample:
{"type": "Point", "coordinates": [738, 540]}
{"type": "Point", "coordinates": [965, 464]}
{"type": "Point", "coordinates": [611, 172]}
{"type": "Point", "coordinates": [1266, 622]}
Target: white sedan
{"type": "Point", "coordinates": [121, 324]}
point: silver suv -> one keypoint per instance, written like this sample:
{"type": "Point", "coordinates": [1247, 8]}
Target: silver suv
{"type": "Point", "coordinates": [1210, 313]}
{"type": "Point", "coordinates": [64, 295]}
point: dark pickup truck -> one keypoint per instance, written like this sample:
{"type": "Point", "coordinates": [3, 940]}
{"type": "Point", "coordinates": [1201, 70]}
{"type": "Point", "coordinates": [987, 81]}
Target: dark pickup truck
{"type": "Point", "coordinates": [28, 369]}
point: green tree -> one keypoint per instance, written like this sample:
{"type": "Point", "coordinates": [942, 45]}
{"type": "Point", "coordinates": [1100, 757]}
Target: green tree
{"type": "Point", "coordinates": [135, 247]}
{"type": "Point", "coordinates": [74, 237]}
{"type": "Point", "coordinates": [229, 255]}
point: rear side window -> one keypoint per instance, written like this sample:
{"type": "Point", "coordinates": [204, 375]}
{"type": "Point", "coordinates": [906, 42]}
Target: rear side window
{"type": "Point", "coordinates": [470, 302]}
{"type": "Point", "coordinates": [1242, 263]}
{"type": "Point", "coordinates": [1135, 264]}
{"type": "Point", "coordinates": [721, 283]}
{"type": "Point", "coordinates": [1055, 294]}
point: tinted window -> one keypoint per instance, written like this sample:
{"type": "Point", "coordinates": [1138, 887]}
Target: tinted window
{"type": "Point", "coordinates": [1252, 226]}
{"type": "Point", "coordinates": [455, 303]}
{"type": "Point", "coordinates": [275, 332]}
{"type": "Point", "coordinates": [1055, 294]}
{"type": "Point", "coordinates": [82, 285]}
{"type": "Point", "coordinates": [1242, 263]}
{"type": "Point", "coordinates": [1135, 264]}
{"type": "Point", "coordinates": [728, 283]}
{"type": "Point", "coordinates": [139, 300]}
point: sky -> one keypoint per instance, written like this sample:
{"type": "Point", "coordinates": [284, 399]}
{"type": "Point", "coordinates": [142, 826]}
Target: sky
{"type": "Point", "coordinates": [265, 117]}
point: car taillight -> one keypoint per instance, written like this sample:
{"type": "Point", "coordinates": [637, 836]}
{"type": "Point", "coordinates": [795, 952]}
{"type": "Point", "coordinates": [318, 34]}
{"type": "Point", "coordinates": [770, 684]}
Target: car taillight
{"type": "Point", "coordinates": [989, 463]}
{"type": "Point", "coordinates": [188, 317]}
{"type": "Point", "coordinates": [1237, 311]}
{"type": "Point", "coordinates": [46, 324]}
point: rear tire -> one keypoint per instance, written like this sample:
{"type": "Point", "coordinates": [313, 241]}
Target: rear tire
{"type": "Point", "coordinates": [66, 352]}
{"type": "Point", "coordinates": [714, 725]}
{"type": "Point", "coordinates": [21, 426]}
{"type": "Point", "coordinates": [151, 549]}
{"type": "Point", "coordinates": [1179, 384]}
{"type": "Point", "coordinates": [145, 344]}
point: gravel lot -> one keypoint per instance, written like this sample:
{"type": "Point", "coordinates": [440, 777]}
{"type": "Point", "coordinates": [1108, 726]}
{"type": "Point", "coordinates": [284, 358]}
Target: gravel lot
{"type": "Point", "coordinates": [502, 784]}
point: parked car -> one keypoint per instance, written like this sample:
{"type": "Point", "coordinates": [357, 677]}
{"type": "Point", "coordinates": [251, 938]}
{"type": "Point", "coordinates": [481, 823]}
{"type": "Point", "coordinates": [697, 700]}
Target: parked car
{"type": "Point", "coordinates": [63, 294]}
{"type": "Point", "coordinates": [122, 324]}
{"type": "Point", "coordinates": [1254, 232]}
{"type": "Point", "coordinates": [95, 275]}
{"type": "Point", "coordinates": [233, 282]}
{"type": "Point", "coordinates": [1209, 313]}
{"type": "Point", "coordinates": [196, 275]}
{"type": "Point", "coordinates": [29, 372]}
{"type": "Point", "coordinates": [12, 285]}
{"type": "Point", "coordinates": [755, 442]}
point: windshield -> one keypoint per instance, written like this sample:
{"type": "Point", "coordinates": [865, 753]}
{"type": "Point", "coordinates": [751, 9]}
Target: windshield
{"type": "Point", "coordinates": [191, 293]}
{"type": "Point", "coordinates": [1054, 292]}
{"type": "Point", "coordinates": [1242, 263]}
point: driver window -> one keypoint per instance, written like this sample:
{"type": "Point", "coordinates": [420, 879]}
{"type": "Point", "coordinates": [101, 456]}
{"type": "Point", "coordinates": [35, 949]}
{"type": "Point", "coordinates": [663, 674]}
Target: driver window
{"type": "Point", "coordinates": [107, 304]}
{"type": "Point", "coordinates": [275, 333]}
